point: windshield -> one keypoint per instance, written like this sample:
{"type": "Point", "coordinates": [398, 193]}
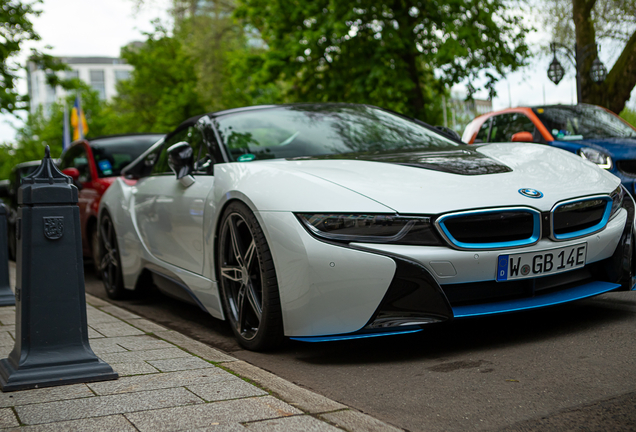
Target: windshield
{"type": "Point", "coordinates": [569, 123]}
{"type": "Point", "coordinates": [114, 153]}
{"type": "Point", "coordinates": [321, 129]}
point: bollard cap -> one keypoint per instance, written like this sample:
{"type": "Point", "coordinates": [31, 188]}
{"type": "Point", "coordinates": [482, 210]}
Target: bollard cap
{"type": "Point", "coordinates": [47, 185]}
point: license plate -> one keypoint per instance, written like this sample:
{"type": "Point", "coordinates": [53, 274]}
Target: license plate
{"type": "Point", "coordinates": [541, 263]}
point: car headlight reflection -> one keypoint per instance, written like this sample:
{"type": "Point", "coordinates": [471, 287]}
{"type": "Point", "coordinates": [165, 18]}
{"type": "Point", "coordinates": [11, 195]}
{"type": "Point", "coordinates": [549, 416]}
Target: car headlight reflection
{"type": "Point", "coordinates": [371, 228]}
{"type": "Point", "coordinates": [601, 159]}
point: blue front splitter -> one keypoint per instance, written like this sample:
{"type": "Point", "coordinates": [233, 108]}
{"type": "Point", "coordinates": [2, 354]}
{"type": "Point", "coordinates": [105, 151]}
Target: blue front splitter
{"type": "Point", "coordinates": [580, 292]}
{"type": "Point", "coordinates": [351, 336]}
{"type": "Point", "coordinates": [576, 293]}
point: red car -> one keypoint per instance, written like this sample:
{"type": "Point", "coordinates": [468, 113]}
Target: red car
{"type": "Point", "coordinates": [94, 165]}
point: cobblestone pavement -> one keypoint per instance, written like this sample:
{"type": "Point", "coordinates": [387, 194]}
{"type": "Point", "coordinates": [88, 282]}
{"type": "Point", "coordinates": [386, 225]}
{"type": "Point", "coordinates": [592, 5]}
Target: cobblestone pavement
{"type": "Point", "coordinates": [168, 382]}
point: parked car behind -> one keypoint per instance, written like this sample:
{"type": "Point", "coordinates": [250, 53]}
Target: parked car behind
{"type": "Point", "coordinates": [94, 165]}
{"type": "Point", "coordinates": [592, 132]}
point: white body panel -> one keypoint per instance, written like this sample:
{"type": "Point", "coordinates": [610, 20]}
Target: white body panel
{"type": "Point", "coordinates": [325, 288]}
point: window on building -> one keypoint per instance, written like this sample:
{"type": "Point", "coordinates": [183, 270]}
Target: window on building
{"type": "Point", "coordinates": [71, 74]}
{"type": "Point", "coordinates": [98, 82]}
{"type": "Point", "coordinates": [121, 75]}
{"type": "Point", "coordinates": [50, 94]}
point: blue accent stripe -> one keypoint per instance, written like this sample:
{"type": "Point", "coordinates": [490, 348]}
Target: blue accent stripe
{"type": "Point", "coordinates": [354, 336]}
{"type": "Point", "coordinates": [536, 230]}
{"type": "Point", "coordinates": [580, 292]}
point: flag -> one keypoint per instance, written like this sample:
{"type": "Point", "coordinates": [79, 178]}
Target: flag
{"type": "Point", "coordinates": [78, 121]}
{"type": "Point", "coordinates": [66, 143]}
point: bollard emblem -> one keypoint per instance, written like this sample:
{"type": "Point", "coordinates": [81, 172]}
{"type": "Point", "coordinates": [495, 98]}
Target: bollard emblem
{"type": "Point", "coordinates": [53, 227]}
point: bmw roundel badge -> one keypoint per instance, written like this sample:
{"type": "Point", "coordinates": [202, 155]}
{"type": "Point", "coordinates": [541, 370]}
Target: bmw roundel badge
{"type": "Point", "coordinates": [531, 193]}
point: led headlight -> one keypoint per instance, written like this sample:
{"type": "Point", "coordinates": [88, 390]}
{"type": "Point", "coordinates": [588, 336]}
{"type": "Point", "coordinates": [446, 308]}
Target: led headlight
{"type": "Point", "coordinates": [617, 199]}
{"type": "Point", "coordinates": [371, 228]}
{"type": "Point", "coordinates": [595, 156]}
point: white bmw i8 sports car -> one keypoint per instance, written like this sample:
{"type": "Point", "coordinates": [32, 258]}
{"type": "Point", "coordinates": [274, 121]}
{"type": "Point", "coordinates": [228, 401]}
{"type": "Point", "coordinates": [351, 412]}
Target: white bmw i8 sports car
{"type": "Point", "coordinates": [324, 222]}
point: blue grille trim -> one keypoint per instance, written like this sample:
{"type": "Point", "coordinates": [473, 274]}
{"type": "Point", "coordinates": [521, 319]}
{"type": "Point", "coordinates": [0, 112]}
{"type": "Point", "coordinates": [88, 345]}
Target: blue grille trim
{"type": "Point", "coordinates": [580, 292]}
{"type": "Point", "coordinates": [534, 238]}
{"type": "Point", "coordinates": [591, 230]}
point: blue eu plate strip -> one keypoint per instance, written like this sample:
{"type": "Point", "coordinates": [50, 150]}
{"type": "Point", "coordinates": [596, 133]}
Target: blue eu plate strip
{"type": "Point", "coordinates": [576, 293]}
{"type": "Point", "coordinates": [502, 268]}
{"type": "Point", "coordinates": [353, 336]}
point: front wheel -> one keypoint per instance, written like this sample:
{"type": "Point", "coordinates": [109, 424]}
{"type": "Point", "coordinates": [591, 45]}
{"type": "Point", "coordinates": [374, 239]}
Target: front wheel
{"type": "Point", "coordinates": [110, 264]}
{"type": "Point", "coordinates": [247, 280]}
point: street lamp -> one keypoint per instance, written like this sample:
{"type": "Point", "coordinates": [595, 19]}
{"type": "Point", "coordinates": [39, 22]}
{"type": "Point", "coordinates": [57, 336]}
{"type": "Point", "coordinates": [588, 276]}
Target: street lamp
{"type": "Point", "coordinates": [598, 72]}
{"type": "Point", "coordinates": [555, 71]}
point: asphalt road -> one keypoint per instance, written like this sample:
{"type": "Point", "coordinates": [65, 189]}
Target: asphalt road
{"type": "Point", "coordinates": [570, 367]}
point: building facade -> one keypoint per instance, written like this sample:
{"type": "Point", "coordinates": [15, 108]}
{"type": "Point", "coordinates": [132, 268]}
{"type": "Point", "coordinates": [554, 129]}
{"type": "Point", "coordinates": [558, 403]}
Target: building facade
{"type": "Point", "coordinates": [101, 73]}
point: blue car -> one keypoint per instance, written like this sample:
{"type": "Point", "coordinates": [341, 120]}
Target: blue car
{"type": "Point", "coordinates": [592, 132]}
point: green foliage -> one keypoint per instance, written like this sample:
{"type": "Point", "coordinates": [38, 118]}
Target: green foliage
{"type": "Point", "coordinates": [16, 28]}
{"type": "Point", "coordinates": [398, 55]}
{"type": "Point", "coordinates": [161, 92]}
{"type": "Point", "coordinates": [629, 115]}
{"type": "Point", "coordinates": [42, 129]}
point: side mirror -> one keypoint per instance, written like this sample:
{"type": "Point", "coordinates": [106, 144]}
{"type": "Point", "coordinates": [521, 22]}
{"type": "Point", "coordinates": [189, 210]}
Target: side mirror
{"type": "Point", "coordinates": [522, 137]}
{"type": "Point", "coordinates": [181, 161]}
{"type": "Point", "coordinates": [74, 174]}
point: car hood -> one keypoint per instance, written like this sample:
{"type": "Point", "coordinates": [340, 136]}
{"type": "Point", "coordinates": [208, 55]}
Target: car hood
{"type": "Point", "coordinates": [618, 148]}
{"type": "Point", "coordinates": [436, 186]}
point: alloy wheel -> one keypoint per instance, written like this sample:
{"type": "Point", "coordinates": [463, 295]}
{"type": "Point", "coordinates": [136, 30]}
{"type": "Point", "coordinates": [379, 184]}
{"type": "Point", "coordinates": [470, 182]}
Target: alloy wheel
{"type": "Point", "coordinates": [241, 276]}
{"type": "Point", "coordinates": [110, 264]}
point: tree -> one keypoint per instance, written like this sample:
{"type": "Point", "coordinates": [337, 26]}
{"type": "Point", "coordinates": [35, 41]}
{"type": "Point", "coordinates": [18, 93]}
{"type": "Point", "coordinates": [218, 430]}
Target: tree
{"type": "Point", "coordinates": [629, 115]}
{"type": "Point", "coordinates": [16, 28]}
{"type": "Point", "coordinates": [587, 23]}
{"type": "Point", "coordinates": [46, 128]}
{"type": "Point", "coordinates": [161, 91]}
{"type": "Point", "coordinates": [398, 54]}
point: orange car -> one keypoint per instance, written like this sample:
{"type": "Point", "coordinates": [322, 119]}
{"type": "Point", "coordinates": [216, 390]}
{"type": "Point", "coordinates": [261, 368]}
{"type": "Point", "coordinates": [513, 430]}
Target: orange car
{"type": "Point", "coordinates": [592, 132]}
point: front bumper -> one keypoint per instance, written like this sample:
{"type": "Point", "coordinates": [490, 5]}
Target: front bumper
{"type": "Point", "coordinates": [333, 291]}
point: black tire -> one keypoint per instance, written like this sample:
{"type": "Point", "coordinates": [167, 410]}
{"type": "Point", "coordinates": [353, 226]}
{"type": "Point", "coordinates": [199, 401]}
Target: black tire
{"type": "Point", "coordinates": [110, 264]}
{"type": "Point", "coordinates": [247, 280]}
{"type": "Point", "coordinates": [96, 251]}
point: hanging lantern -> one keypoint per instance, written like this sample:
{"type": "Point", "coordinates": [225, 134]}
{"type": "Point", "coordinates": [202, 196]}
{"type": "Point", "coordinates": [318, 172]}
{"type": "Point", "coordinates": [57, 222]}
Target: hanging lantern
{"type": "Point", "coordinates": [598, 72]}
{"type": "Point", "coordinates": [555, 71]}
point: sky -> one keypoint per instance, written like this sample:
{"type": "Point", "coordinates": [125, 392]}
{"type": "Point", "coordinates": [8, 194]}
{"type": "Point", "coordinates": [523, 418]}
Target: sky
{"type": "Point", "coordinates": [102, 27]}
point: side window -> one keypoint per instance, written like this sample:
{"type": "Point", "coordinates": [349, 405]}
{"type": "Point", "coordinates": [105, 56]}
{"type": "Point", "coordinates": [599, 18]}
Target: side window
{"type": "Point", "coordinates": [161, 166]}
{"type": "Point", "coordinates": [482, 135]}
{"type": "Point", "coordinates": [500, 127]}
{"type": "Point", "coordinates": [202, 160]}
{"type": "Point", "coordinates": [76, 157]}
{"type": "Point", "coordinates": [506, 125]}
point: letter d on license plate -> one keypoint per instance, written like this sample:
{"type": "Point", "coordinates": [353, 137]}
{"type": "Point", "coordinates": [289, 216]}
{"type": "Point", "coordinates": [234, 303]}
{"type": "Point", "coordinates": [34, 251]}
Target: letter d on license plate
{"type": "Point", "coordinates": [541, 263]}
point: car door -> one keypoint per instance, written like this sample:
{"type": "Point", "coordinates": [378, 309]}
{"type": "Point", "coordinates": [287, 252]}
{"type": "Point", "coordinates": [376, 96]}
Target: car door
{"type": "Point", "coordinates": [77, 157]}
{"type": "Point", "coordinates": [170, 215]}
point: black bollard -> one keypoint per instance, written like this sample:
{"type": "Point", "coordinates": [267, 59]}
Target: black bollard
{"type": "Point", "coordinates": [51, 344]}
{"type": "Point", "coordinates": [6, 295]}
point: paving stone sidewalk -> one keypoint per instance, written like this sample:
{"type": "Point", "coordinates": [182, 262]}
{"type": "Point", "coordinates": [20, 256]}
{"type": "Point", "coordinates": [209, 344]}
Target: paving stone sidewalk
{"type": "Point", "coordinates": [168, 382]}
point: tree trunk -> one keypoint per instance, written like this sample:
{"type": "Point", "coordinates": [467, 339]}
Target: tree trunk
{"type": "Point", "coordinates": [621, 80]}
